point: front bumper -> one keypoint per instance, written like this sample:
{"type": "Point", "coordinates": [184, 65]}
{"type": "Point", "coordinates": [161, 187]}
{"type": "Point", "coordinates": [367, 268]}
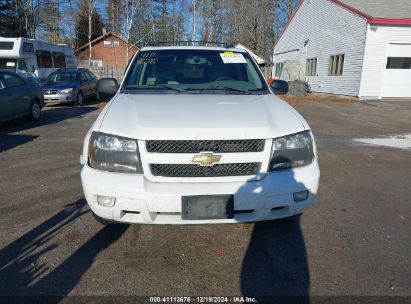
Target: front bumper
{"type": "Point", "coordinates": [58, 98]}
{"type": "Point", "coordinates": [139, 200]}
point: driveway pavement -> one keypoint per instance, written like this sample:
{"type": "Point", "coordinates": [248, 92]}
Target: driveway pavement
{"type": "Point", "coordinates": [355, 241]}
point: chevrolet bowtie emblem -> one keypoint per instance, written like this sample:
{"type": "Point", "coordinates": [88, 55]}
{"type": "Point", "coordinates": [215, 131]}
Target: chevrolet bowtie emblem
{"type": "Point", "coordinates": [206, 159]}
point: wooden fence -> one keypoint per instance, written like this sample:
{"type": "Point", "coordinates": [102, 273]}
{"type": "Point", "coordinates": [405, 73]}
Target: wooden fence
{"type": "Point", "coordinates": [102, 72]}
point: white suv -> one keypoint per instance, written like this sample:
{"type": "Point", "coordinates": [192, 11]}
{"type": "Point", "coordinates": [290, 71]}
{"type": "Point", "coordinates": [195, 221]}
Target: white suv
{"type": "Point", "coordinates": [194, 135]}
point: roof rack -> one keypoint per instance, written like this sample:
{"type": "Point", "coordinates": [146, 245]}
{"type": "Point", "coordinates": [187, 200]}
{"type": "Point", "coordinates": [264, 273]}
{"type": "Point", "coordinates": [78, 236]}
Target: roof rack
{"type": "Point", "coordinates": [186, 43]}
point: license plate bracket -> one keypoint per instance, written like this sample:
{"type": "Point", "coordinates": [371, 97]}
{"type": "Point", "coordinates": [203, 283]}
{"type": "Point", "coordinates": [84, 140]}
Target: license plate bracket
{"type": "Point", "coordinates": [207, 207]}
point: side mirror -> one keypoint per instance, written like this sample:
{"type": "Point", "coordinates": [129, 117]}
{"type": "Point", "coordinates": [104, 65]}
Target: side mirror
{"type": "Point", "coordinates": [279, 87]}
{"type": "Point", "coordinates": [107, 87]}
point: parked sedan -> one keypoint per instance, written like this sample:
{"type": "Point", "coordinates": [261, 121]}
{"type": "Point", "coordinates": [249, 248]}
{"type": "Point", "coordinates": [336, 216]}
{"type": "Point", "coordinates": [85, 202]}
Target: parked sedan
{"type": "Point", "coordinates": [19, 97]}
{"type": "Point", "coordinates": [69, 86]}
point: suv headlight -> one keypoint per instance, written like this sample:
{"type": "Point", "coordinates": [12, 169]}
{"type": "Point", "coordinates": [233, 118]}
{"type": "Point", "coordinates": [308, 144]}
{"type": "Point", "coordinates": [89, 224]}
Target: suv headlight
{"type": "Point", "coordinates": [292, 151]}
{"type": "Point", "coordinates": [114, 153]}
{"type": "Point", "coordinates": [66, 91]}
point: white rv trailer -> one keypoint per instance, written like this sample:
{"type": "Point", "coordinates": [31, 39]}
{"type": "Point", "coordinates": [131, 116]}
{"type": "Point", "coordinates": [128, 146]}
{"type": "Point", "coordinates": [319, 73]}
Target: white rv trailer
{"type": "Point", "coordinates": [34, 57]}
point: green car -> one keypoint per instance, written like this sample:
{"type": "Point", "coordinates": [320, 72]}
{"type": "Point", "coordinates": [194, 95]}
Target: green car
{"type": "Point", "coordinates": [19, 97]}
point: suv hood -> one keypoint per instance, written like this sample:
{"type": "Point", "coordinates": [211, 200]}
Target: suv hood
{"type": "Point", "coordinates": [192, 116]}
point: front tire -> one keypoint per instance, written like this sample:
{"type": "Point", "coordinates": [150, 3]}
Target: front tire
{"type": "Point", "coordinates": [80, 99]}
{"type": "Point", "coordinates": [35, 110]}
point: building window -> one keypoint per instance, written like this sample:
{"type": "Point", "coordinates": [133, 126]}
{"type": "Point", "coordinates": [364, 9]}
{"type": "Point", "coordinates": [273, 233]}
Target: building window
{"type": "Point", "coordinates": [311, 67]}
{"type": "Point", "coordinates": [44, 59]}
{"type": "Point", "coordinates": [116, 44]}
{"type": "Point", "coordinates": [107, 43]}
{"type": "Point", "coordinates": [279, 66]}
{"type": "Point", "coordinates": [336, 67]}
{"type": "Point", "coordinates": [59, 60]}
{"type": "Point", "coordinates": [399, 63]}
{"type": "Point", "coordinates": [96, 63]}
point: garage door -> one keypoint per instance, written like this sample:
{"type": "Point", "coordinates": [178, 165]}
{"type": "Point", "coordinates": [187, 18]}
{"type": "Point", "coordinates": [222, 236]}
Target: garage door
{"type": "Point", "coordinates": [397, 76]}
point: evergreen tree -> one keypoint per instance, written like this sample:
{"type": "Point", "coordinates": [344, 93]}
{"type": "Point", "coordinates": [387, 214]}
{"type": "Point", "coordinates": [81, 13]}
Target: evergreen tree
{"type": "Point", "coordinates": [81, 25]}
{"type": "Point", "coordinates": [162, 19]}
{"type": "Point", "coordinates": [9, 22]}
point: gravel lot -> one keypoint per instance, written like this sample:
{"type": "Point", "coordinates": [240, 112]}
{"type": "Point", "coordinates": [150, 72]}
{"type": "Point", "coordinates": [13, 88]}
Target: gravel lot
{"type": "Point", "coordinates": [355, 241]}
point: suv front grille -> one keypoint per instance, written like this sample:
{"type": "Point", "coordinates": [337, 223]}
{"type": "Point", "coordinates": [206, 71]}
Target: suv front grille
{"type": "Point", "coordinates": [196, 146]}
{"type": "Point", "coordinates": [194, 170]}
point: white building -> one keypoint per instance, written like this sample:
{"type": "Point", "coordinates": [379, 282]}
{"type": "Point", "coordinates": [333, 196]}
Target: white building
{"type": "Point", "coordinates": [348, 47]}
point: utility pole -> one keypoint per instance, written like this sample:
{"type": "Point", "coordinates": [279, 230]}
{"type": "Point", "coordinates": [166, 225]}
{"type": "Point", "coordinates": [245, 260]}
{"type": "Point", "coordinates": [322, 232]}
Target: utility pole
{"type": "Point", "coordinates": [91, 5]}
{"type": "Point", "coordinates": [128, 24]}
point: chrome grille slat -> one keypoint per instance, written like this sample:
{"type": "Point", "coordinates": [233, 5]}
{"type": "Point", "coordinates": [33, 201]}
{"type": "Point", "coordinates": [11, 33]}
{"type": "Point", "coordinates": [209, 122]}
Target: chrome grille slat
{"type": "Point", "coordinates": [196, 146]}
{"type": "Point", "coordinates": [194, 170]}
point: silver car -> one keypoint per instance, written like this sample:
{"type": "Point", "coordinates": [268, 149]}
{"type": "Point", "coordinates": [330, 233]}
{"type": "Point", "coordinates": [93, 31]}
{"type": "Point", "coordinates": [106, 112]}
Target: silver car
{"type": "Point", "coordinates": [19, 97]}
{"type": "Point", "coordinates": [69, 86]}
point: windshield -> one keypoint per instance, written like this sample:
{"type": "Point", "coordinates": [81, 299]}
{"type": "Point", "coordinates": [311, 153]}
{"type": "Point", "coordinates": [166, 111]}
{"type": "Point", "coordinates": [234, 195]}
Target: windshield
{"type": "Point", "coordinates": [195, 71]}
{"type": "Point", "coordinates": [32, 77]}
{"type": "Point", "coordinates": [8, 64]}
{"type": "Point", "coordinates": [62, 77]}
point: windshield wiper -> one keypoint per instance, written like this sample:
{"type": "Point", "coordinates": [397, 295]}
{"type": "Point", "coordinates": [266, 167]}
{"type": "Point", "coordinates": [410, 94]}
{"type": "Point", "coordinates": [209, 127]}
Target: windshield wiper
{"type": "Point", "coordinates": [158, 86]}
{"type": "Point", "coordinates": [214, 88]}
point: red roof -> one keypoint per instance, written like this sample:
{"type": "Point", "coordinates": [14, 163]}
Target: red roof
{"type": "Point", "coordinates": [98, 39]}
{"type": "Point", "coordinates": [370, 19]}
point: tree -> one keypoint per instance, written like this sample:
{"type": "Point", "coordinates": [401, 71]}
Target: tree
{"type": "Point", "coordinates": [113, 10]}
{"type": "Point", "coordinates": [154, 21]}
{"type": "Point", "coordinates": [88, 24]}
{"type": "Point", "coordinates": [176, 18]}
{"type": "Point", "coordinates": [131, 9]}
{"type": "Point", "coordinates": [193, 9]}
{"type": "Point", "coordinates": [287, 8]}
{"type": "Point", "coordinates": [162, 20]}
{"type": "Point", "coordinates": [212, 20]}
{"type": "Point", "coordinates": [252, 22]}
{"type": "Point", "coordinates": [142, 30]}
{"type": "Point", "coordinates": [9, 22]}
{"type": "Point", "coordinates": [50, 20]}
{"type": "Point", "coordinates": [29, 13]}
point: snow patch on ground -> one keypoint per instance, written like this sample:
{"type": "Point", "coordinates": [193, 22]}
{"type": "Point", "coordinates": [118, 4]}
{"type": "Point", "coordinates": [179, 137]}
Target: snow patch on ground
{"type": "Point", "coordinates": [402, 141]}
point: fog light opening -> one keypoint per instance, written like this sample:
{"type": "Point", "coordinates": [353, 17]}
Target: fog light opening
{"type": "Point", "coordinates": [68, 98]}
{"type": "Point", "coordinates": [300, 196]}
{"type": "Point", "coordinates": [106, 201]}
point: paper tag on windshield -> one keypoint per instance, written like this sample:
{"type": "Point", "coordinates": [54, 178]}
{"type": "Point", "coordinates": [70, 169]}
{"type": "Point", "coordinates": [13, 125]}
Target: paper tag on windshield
{"type": "Point", "coordinates": [10, 64]}
{"type": "Point", "coordinates": [231, 57]}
